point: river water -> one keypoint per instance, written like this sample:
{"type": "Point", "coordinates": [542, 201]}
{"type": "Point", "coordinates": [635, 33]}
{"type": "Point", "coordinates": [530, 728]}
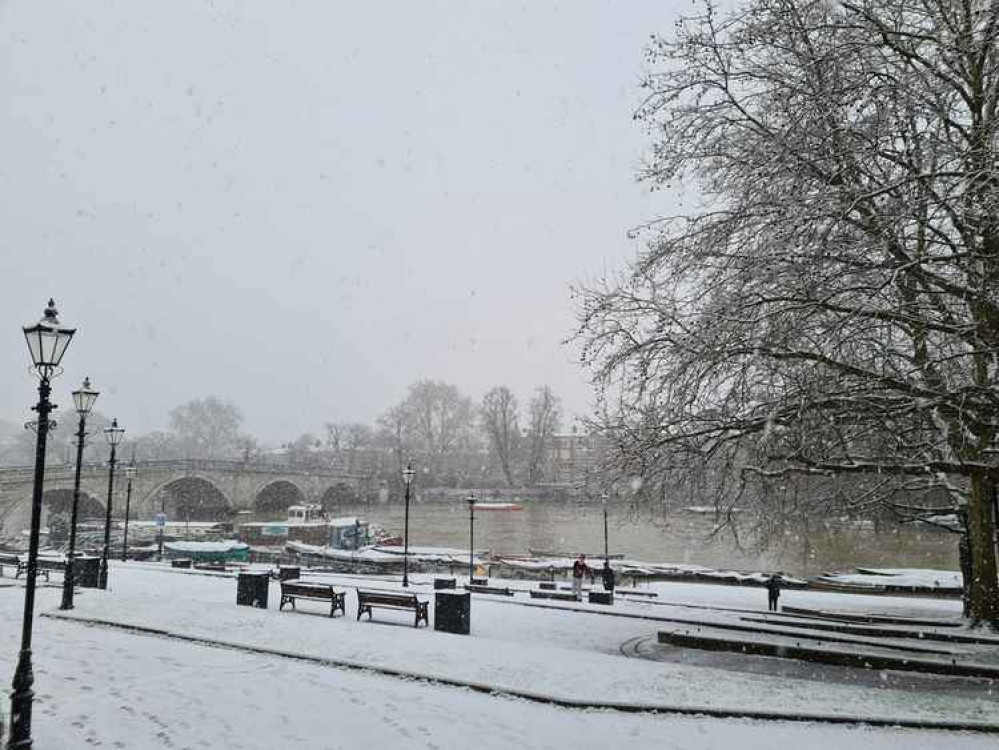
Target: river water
{"type": "Point", "coordinates": [651, 535]}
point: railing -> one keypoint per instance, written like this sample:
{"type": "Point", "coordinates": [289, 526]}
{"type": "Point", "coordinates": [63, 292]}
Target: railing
{"type": "Point", "coordinates": [14, 473]}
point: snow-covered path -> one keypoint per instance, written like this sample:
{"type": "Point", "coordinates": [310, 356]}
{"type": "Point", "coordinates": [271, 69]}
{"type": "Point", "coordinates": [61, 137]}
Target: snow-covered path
{"type": "Point", "coordinates": [120, 691]}
{"type": "Point", "coordinates": [105, 687]}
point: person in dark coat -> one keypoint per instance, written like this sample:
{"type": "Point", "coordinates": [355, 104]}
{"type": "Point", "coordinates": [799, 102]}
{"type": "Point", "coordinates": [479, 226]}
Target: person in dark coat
{"type": "Point", "coordinates": [608, 576]}
{"type": "Point", "coordinates": [773, 591]}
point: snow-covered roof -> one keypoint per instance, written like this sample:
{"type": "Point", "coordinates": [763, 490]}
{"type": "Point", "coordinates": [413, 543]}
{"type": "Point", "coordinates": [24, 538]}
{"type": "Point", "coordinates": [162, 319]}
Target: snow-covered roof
{"type": "Point", "coordinates": [347, 521]}
{"type": "Point", "coordinates": [227, 545]}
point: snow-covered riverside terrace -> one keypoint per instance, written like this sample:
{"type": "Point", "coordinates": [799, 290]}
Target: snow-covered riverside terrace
{"type": "Point", "coordinates": [177, 664]}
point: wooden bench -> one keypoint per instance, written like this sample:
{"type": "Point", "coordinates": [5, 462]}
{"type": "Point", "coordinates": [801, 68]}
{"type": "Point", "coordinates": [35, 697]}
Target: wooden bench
{"type": "Point", "coordinates": [43, 567]}
{"type": "Point", "coordinates": [288, 572]}
{"type": "Point", "coordinates": [387, 600]}
{"type": "Point", "coordinates": [295, 589]}
{"type": "Point", "coordinates": [477, 589]}
{"type": "Point", "coordinates": [561, 596]}
{"type": "Point", "coordinates": [215, 567]}
{"type": "Point", "coordinates": [10, 560]}
{"type": "Point", "coordinates": [636, 592]}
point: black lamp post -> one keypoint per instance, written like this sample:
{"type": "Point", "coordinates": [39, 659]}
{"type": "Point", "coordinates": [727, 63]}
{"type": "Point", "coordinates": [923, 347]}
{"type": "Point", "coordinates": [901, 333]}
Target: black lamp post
{"type": "Point", "coordinates": [114, 434]}
{"type": "Point", "coordinates": [47, 343]}
{"type": "Point", "coordinates": [471, 536]}
{"type": "Point", "coordinates": [83, 400]}
{"type": "Point", "coordinates": [160, 523]}
{"type": "Point", "coordinates": [603, 500]}
{"type": "Point", "coordinates": [407, 477]}
{"type": "Point", "coordinates": [130, 474]}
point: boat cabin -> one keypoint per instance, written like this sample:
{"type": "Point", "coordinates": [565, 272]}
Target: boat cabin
{"type": "Point", "coordinates": [310, 525]}
{"type": "Point", "coordinates": [349, 533]}
{"type": "Point", "coordinates": [311, 513]}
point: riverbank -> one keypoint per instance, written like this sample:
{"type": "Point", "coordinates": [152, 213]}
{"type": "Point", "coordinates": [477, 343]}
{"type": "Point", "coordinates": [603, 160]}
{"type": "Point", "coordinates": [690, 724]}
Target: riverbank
{"type": "Point", "coordinates": [447, 561]}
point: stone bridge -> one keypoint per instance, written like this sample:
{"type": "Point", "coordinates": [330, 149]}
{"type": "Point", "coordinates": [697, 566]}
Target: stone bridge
{"type": "Point", "coordinates": [196, 490]}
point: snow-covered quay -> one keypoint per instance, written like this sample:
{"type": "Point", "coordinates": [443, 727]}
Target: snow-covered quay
{"type": "Point", "coordinates": [166, 659]}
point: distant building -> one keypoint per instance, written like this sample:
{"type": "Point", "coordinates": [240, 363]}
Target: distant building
{"type": "Point", "coordinates": [574, 458]}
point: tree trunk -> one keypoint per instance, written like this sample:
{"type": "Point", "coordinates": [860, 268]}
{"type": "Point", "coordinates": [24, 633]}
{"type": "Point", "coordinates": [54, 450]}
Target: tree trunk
{"type": "Point", "coordinates": [984, 589]}
{"type": "Point", "coordinates": [964, 555]}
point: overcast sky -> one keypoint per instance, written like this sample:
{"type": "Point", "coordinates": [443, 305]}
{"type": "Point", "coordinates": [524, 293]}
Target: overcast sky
{"type": "Point", "coordinates": [304, 207]}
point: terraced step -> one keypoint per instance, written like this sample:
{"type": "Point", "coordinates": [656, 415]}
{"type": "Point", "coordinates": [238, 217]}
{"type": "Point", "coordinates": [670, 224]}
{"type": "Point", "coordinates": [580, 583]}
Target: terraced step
{"type": "Point", "coordinates": [868, 656]}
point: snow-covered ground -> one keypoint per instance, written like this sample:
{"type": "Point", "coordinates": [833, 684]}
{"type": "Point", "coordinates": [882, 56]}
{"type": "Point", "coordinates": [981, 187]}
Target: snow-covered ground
{"type": "Point", "coordinates": [103, 686]}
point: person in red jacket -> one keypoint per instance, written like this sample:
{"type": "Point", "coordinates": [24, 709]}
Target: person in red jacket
{"type": "Point", "coordinates": [579, 569]}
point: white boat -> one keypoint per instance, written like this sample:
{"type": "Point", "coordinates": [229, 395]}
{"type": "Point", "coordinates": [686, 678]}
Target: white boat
{"type": "Point", "coordinates": [498, 506]}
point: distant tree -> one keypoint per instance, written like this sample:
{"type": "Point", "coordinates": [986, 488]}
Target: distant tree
{"type": "Point", "coordinates": [347, 441]}
{"type": "Point", "coordinates": [434, 427]}
{"type": "Point", "coordinates": [393, 435]}
{"type": "Point", "coordinates": [16, 448]}
{"type": "Point", "coordinates": [545, 416]}
{"type": "Point", "coordinates": [207, 428]}
{"type": "Point", "coordinates": [19, 448]}
{"type": "Point", "coordinates": [305, 452]}
{"type": "Point", "coordinates": [248, 448]}
{"type": "Point", "coordinates": [334, 435]}
{"type": "Point", "coordinates": [8, 429]}
{"type": "Point", "coordinates": [60, 447]}
{"type": "Point", "coordinates": [499, 422]}
{"type": "Point", "coordinates": [95, 446]}
{"type": "Point", "coordinates": [441, 422]}
{"type": "Point", "coordinates": [158, 446]}
{"type": "Point", "coordinates": [357, 439]}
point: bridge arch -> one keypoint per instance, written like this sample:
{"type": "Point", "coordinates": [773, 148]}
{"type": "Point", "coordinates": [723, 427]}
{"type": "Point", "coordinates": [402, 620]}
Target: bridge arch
{"type": "Point", "coordinates": [189, 497]}
{"type": "Point", "coordinates": [337, 496]}
{"type": "Point", "coordinates": [57, 505]}
{"type": "Point", "coordinates": [271, 500]}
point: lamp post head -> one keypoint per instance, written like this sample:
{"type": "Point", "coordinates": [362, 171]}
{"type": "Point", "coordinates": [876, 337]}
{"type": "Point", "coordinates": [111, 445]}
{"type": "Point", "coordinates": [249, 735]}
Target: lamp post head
{"type": "Point", "coordinates": [603, 499]}
{"type": "Point", "coordinates": [471, 501]}
{"type": "Point", "coordinates": [84, 398]}
{"type": "Point", "coordinates": [114, 433]}
{"type": "Point", "coordinates": [47, 341]}
{"type": "Point", "coordinates": [407, 474]}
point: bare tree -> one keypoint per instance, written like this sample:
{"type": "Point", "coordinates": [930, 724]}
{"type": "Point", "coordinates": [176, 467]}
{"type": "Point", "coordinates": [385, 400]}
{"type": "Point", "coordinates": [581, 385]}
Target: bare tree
{"type": "Point", "coordinates": [393, 434]}
{"type": "Point", "coordinates": [334, 435]}
{"type": "Point", "coordinates": [499, 421]}
{"type": "Point", "coordinates": [158, 446]}
{"type": "Point", "coordinates": [357, 439]}
{"type": "Point", "coordinates": [545, 415]}
{"type": "Point", "coordinates": [248, 448]}
{"type": "Point", "coordinates": [440, 420]}
{"type": "Point", "coordinates": [305, 452]}
{"type": "Point", "coordinates": [432, 426]}
{"type": "Point", "coordinates": [207, 428]}
{"type": "Point", "coordinates": [832, 307]}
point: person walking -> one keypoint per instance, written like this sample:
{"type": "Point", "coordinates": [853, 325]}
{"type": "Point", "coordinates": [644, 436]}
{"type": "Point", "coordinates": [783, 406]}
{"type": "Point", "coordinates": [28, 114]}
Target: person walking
{"type": "Point", "coordinates": [608, 576]}
{"type": "Point", "coordinates": [773, 591]}
{"type": "Point", "coordinates": [579, 569]}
